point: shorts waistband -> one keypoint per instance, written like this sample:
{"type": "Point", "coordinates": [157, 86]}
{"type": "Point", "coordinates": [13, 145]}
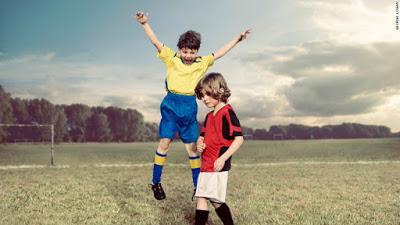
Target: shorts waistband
{"type": "Point", "coordinates": [180, 95]}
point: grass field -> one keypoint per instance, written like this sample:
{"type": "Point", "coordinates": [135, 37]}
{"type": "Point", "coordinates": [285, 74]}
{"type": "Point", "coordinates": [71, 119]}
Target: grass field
{"type": "Point", "coordinates": [273, 182]}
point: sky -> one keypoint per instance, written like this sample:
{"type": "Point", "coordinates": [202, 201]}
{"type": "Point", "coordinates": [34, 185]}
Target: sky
{"type": "Point", "coordinates": [306, 62]}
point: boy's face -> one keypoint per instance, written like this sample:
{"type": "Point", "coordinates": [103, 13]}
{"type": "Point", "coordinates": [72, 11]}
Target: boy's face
{"type": "Point", "coordinates": [188, 55]}
{"type": "Point", "coordinates": [209, 101]}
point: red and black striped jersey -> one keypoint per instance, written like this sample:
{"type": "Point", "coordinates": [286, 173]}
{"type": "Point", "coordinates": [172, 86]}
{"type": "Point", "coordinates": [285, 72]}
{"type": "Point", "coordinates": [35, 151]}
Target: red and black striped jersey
{"type": "Point", "coordinates": [219, 131]}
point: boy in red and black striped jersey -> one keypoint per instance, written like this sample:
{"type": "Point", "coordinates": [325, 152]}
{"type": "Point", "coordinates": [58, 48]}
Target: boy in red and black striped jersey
{"type": "Point", "coordinates": [219, 139]}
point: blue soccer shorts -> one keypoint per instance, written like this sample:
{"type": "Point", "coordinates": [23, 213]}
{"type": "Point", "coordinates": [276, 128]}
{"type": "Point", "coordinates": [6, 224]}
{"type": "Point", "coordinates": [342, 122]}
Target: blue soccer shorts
{"type": "Point", "coordinates": [179, 114]}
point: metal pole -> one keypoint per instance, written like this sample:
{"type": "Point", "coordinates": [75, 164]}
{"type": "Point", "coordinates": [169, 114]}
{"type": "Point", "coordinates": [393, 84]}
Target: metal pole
{"type": "Point", "coordinates": [52, 145]}
{"type": "Point", "coordinates": [37, 125]}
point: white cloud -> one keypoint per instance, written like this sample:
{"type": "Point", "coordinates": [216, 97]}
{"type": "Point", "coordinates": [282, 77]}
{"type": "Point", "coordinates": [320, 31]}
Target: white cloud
{"type": "Point", "coordinates": [355, 21]}
{"type": "Point", "coordinates": [61, 82]}
{"type": "Point", "coordinates": [326, 81]}
{"type": "Point", "coordinates": [268, 87]}
{"type": "Point", "coordinates": [331, 78]}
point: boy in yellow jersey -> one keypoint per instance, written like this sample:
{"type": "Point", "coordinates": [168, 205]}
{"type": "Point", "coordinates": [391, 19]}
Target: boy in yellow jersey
{"type": "Point", "coordinates": [179, 108]}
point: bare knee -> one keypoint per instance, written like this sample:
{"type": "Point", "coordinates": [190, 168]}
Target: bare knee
{"type": "Point", "coordinates": [163, 146]}
{"type": "Point", "coordinates": [191, 149]}
{"type": "Point", "coordinates": [202, 203]}
{"type": "Point", "coordinates": [216, 205]}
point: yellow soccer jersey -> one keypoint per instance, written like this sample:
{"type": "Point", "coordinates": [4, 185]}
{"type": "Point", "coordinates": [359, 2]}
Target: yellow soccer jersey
{"type": "Point", "coordinates": [181, 78]}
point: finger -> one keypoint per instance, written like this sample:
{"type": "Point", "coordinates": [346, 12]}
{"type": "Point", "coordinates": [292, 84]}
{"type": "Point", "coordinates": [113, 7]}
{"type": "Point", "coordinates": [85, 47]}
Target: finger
{"type": "Point", "coordinates": [246, 32]}
{"type": "Point", "coordinates": [216, 166]}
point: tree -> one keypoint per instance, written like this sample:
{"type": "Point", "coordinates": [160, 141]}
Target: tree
{"type": "Point", "coordinates": [297, 131]}
{"type": "Point", "coordinates": [125, 125]}
{"type": "Point", "coordinates": [316, 132]}
{"type": "Point", "coordinates": [260, 134]}
{"type": "Point", "coordinates": [20, 111]}
{"type": "Point", "coordinates": [327, 131]}
{"type": "Point", "coordinates": [21, 116]}
{"type": "Point", "coordinates": [150, 132]}
{"type": "Point", "coordinates": [41, 111]}
{"type": "Point", "coordinates": [6, 114]}
{"type": "Point", "coordinates": [136, 126]}
{"type": "Point", "coordinates": [117, 124]}
{"type": "Point", "coordinates": [77, 114]}
{"type": "Point", "coordinates": [97, 128]}
{"type": "Point", "coordinates": [248, 132]}
{"type": "Point", "coordinates": [278, 132]}
{"type": "Point", "coordinates": [59, 120]}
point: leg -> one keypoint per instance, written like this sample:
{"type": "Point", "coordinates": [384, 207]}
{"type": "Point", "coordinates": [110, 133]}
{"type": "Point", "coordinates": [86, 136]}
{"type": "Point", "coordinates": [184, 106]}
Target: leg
{"type": "Point", "coordinates": [202, 203]}
{"type": "Point", "coordinates": [194, 160]}
{"type": "Point", "coordinates": [223, 212]}
{"type": "Point", "coordinates": [216, 205]}
{"type": "Point", "coordinates": [163, 146]}
{"type": "Point", "coordinates": [159, 162]}
{"type": "Point", "coordinates": [201, 211]}
{"type": "Point", "coordinates": [160, 159]}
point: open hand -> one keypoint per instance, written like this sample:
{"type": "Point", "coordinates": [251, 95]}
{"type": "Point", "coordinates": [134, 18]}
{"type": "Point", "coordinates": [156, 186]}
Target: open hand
{"type": "Point", "coordinates": [244, 35]}
{"type": "Point", "coordinates": [141, 17]}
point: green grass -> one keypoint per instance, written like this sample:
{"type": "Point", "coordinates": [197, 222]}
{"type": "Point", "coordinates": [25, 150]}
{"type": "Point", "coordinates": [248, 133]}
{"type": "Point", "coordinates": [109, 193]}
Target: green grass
{"type": "Point", "coordinates": [250, 152]}
{"type": "Point", "coordinates": [261, 194]}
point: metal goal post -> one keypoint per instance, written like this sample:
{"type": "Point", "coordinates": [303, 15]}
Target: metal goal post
{"type": "Point", "coordinates": [37, 125]}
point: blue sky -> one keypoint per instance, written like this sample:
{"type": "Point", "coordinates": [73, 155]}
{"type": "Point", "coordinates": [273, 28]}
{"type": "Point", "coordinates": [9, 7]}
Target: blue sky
{"type": "Point", "coordinates": [312, 62]}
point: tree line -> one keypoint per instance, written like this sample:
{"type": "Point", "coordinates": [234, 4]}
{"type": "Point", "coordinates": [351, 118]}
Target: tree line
{"type": "Point", "coordinates": [298, 131]}
{"type": "Point", "coordinates": [72, 123]}
{"type": "Point", "coordinates": [81, 123]}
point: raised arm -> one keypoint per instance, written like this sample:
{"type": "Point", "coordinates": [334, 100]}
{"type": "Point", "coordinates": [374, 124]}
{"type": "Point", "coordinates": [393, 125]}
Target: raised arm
{"type": "Point", "coordinates": [221, 52]}
{"type": "Point", "coordinates": [143, 20]}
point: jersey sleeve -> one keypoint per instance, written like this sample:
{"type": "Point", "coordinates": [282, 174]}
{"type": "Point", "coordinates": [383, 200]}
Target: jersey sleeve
{"type": "Point", "coordinates": [208, 60]}
{"type": "Point", "coordinates": [231, 125]}
{"type": "Point", "coordinates": [166, 54]}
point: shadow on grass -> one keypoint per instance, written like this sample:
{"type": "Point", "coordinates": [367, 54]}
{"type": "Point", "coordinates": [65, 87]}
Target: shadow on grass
{"type": "Point", "coordinates": [185, 205]}
{"type": "Point", "coordinates": [177, 208]}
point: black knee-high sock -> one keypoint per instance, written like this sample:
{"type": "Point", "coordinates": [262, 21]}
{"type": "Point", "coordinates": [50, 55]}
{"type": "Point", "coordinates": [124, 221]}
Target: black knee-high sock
{"type": "Point", "coordinates": [225, 214]}
{"type": "Point", "coordinates": [201, 217]}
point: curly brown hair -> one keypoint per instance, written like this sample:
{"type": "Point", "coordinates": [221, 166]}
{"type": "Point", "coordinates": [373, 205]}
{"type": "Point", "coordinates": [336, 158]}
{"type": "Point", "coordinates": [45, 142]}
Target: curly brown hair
{"type": "Point", "coordinates": [214, 85]}
{"type": "Point", "coordinates": [190, 39]}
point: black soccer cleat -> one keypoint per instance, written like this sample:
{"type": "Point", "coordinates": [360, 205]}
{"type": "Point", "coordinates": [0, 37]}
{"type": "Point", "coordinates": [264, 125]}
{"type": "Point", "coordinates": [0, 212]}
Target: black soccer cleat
{"type": "Point", "coordinates": [194, 195]}
{"type": "Point", "coordinates": [159, 193]}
